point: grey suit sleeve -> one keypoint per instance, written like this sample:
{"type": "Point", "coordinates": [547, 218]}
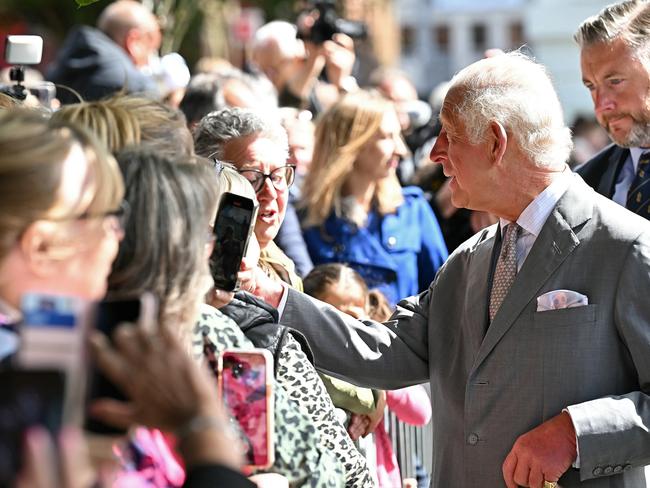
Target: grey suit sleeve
{"type": "Point", "coordinates": [613, 432]}
{"type": "Point", "coordinates": [386, 356]}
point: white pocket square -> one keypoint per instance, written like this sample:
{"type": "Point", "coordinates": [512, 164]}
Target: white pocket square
{"type": "Point", "coordinates": [558, 299]}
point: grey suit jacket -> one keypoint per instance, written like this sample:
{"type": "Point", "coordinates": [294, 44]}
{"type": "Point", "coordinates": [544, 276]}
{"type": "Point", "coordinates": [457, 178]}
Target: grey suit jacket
{"type": "Point", "coordinates": [490, 387]}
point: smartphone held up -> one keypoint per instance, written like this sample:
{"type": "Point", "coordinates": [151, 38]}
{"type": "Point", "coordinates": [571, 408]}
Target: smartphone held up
{"type": "Point", "coordinates": [245, 386]}
{"type": "Point", "coordinates": [233, 228]}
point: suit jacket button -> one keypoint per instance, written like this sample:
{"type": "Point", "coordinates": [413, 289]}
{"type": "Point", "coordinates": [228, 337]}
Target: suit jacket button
{"type": "Point", "coordinates": [608, 470]}
{"type": "Point", "coordinates": [391, 241]}
{"type": "Point", "coordinates": [618, 468]}
{"type": "Point", "coordinates": [472, 439]}
{"type": "Point", "coordinates": [598, 471]}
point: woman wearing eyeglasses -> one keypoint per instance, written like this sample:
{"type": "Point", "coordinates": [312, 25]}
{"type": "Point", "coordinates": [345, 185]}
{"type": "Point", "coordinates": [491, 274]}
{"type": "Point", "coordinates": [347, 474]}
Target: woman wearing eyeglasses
{"type": "Point", "coordinates": [259, 150]}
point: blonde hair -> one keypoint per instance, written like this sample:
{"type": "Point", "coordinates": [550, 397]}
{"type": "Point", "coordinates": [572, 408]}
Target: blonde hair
{"type": "Point", "coordinates": [162, 127]}
{"type": "Point", "coordinates": [341, 133]}
{"type": "Point", "coordinates": [113, 125]}
{"type": "Point", "coordinates": [7, 101]}
{"type": "Point", "coordinates": [32, 152]}
{"type": "Point", "coordinates": [126, 120]}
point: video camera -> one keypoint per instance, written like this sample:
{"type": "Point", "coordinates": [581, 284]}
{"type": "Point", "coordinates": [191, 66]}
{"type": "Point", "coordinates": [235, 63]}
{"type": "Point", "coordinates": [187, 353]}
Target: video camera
{"type": "Point", "coordinates": [328, 23]}
{"type": "Point", "coordinates": [21, 51]}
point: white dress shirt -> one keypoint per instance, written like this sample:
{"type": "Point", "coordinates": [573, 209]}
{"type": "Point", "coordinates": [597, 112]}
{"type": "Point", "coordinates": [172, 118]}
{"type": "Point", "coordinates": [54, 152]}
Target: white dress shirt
{"type": "Point", "coordinates": [532, 219]}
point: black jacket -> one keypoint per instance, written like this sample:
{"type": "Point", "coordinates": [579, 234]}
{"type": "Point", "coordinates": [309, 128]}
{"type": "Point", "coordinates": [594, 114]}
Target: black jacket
{"type": "Point", "coordinates": [95, 66]}
{"type": "Point", "coordinates": [259, 322]}
{"type": "Point", "coordinates": [601, 171]}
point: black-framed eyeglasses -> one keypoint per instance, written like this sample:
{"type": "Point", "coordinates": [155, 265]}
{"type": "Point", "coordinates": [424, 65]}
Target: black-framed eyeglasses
{"type": "Point", "coordinates": [281, 178]}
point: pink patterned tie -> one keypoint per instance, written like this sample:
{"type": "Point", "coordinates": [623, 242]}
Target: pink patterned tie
{"type": "Point", "coordinates": [506, 269]}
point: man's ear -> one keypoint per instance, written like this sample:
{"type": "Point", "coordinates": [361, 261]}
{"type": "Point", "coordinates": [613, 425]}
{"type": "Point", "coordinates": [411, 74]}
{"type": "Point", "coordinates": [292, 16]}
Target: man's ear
{"type": "Point", "coordinates": [498, 141]}
{"type": "Point", "coordinates": [35, 245]}
{"type": "Point", "coordinates": [133, 45]}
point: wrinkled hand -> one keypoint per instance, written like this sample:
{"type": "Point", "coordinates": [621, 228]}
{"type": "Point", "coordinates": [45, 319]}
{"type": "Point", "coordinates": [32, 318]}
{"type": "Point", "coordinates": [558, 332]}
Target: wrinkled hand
{"type": "Point", "coordinates": [544, 453]}
{"type": "Point", "coordinates": [358, 426]}
{"type": "Point", "coordinates": [166, 388]}
{"type": "Point", "coordinates": [339, 58]}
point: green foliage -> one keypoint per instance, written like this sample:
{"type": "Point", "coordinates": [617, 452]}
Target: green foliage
{"type": "Point", "coordinates": [83, 3]}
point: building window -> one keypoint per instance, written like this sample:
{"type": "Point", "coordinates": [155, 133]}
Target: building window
{"type": "Point", "coordinates": [479, 37]}
{"type": "Point", "coordinates": [517, 35]}
{"type": "Point", "coordinates": [408, 40]}
{"type": "Point", "coordinates": [441, 36]}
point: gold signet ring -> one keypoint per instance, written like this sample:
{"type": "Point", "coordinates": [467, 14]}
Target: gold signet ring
{"type": "Point", "coordinates": [550, 484]}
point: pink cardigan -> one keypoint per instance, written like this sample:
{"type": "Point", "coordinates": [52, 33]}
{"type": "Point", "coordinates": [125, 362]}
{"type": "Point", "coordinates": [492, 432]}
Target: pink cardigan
{"type": "Point", "coordinates": [412, 406]}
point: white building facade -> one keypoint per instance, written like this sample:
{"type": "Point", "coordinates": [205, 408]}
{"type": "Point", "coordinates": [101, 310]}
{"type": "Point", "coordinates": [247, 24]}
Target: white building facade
{"type": "Point", "coordinates": [440, 37]}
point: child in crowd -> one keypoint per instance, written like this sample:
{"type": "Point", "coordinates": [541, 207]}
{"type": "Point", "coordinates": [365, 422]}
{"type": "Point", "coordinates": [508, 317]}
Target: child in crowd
{"type": "Point", "coordinates": [343, 288]}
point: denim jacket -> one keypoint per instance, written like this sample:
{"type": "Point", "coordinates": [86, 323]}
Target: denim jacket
{"type": "Point", "coordinates": [397, 253]}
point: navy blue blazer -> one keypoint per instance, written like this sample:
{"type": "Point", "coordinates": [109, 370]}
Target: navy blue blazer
{"type": "Point", "coordinates": [601, 171]}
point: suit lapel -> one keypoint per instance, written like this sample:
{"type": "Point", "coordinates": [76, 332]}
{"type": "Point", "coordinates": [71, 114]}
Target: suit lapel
{"type": "Point", "coordinates": [479, 270]}
{"type": "Point", "coordinates": [615, 163]}
{"type": "Point", "coordinates": [554, 244]}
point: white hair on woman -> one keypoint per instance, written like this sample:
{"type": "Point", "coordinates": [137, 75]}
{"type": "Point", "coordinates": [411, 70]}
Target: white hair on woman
{"type": "Point", "coordinates": [519, 94]}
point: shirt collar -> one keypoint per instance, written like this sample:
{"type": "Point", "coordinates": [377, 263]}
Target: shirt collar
{"type": "Point", "coordinates": [532, 219]}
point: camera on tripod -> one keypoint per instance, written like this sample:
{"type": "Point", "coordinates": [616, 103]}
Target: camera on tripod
{"type": "Point", "coordinates": [19, 52]}
{"type": "Point", "coordinates": [22, 51]}
{"type": "Point", "coordinates": [328, 23]}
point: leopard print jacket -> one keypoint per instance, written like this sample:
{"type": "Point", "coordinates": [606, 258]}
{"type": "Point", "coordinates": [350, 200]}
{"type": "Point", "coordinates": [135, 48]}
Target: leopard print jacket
{"type": "Point", "coordinates": [300, 379]}
{"type": "Point", "coordinates": [299, 455]}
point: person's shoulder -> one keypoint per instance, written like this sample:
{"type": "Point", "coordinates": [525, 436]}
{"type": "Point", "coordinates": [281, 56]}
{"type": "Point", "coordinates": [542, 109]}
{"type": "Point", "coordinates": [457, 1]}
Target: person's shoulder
{"type": "Point", "coordinates": [607, 218]}
{"type": "Point", "coordinates": [211, 322]}
{"type": "Point", "coordinates": [599, 162]}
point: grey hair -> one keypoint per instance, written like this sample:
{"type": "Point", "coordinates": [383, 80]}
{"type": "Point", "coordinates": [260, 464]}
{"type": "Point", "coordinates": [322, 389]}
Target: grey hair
{"type": "Point", "coordinates": [517, 92]}
{"type": "Point", "coordinates": [628, 20]}
{"type": "Point", "coordinates": [217, 128]}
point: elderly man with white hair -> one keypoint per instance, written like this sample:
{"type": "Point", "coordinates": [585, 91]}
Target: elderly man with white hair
{"type": "Point", "coordinates": [535, 334]}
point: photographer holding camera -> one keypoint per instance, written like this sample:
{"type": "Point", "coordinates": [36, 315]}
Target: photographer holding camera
{"type": "Point", "coordinates": [311, 64]}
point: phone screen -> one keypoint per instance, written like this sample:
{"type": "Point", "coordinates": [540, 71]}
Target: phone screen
{"type": "Point", "coordinates": [108, 315]}
{"type": "Point", "coordinates": [245, 387]}
{"type": "Point", "coordinates": [29, 398]}
{"type": "Point", "coordinates": [232, 229]}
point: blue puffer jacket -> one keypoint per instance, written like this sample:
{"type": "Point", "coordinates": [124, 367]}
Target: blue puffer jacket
{"type": "Point", "coordinates": [398, 253]}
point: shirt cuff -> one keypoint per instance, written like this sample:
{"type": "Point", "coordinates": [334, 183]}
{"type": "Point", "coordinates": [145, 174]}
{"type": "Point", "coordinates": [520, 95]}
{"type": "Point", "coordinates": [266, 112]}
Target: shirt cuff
{"type": "Point", "coordinates": [576, 463]}
{"type": "Point", "coordinates": [283, 299]}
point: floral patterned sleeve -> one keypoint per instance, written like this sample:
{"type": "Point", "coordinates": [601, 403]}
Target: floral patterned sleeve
{"type": "Point", "coordinates": [297, 375]}
{"type": "Point", "coordinates": [298, 452]}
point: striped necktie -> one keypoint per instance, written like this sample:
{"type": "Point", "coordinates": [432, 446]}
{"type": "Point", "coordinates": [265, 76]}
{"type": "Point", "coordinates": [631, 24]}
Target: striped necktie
{"type": "Point", "coordinates": [638, 197]}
